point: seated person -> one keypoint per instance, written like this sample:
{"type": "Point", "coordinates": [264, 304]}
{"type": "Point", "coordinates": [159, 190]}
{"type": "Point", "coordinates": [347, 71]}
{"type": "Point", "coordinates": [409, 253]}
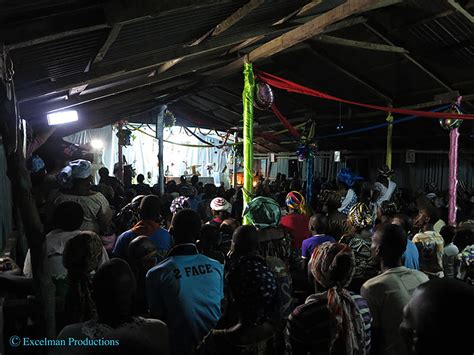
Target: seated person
{"type": "Point", "coordinates": [253, 289]}
{"type": "Point", "coordinates": [113, 291]}
{"type": "Point", "coordinates": [209, 243]}
{"type": "Point", "coordinates": [148, 225]}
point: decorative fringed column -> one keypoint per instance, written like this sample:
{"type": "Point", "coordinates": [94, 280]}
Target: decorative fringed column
{"type": "Point", "coordinates": [453, 174]}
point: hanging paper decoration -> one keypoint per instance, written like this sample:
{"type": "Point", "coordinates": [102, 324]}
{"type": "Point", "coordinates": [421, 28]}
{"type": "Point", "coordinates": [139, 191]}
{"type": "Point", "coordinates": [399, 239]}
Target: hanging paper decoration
{"type": "Point", "coordinates": [124, 136]}
{"type": "Point", "coordinates": [169, 120]}
{"type": "Point", "coordinates": [263, 98]}
{"type": "Point", "coordinates": [450, 123]}
{"type": "Point", "coordinates": [308, 147]}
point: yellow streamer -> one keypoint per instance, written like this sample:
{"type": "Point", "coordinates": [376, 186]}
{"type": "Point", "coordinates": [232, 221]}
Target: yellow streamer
{"type": "Point", "coordinates": [388, 160]}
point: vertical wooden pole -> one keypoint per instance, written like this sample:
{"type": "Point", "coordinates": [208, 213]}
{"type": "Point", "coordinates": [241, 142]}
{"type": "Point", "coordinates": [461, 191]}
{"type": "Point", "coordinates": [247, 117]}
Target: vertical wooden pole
{"type": "Point", "coordinates": [120, 154]}
{"type": "Point", "coordinates": [23, 197]}
{"type": "Point", "coordinates": [247, 99]}
{"type": "Point", "coordinates": [160, 115]}
{"type": "Point", "coordinates": [388, 159]}
{"type": "Point", "coordinates": [234, 182]}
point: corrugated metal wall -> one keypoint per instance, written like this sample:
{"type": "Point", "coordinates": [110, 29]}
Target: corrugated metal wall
{"type": "Point", "coordinates": [6, 201]}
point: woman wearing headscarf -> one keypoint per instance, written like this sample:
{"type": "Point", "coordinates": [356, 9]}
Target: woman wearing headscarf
{"type": "Point", "coordinates": [296, 221]}
{"type": "Point", "coordinates": [76, 181]}
{"type": "Point", "coordinates": [359, 239]}
{"type": "Point", "coordinates": [82, 255]}
{"type": "Point", "coordinates": [346, 180]}
{"type": "Point", "coordinates": [334, 321]}
{"type": "Point", "coordinates": [254, 294]}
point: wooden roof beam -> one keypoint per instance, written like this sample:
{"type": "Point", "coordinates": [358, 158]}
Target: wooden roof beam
{"type": "Point", "coordinates": [300, 34]}
{"type": "Point", "coordinates": [461, 10]}
{"type": "Point", "coordinates": [358, 44]}
{"type": "Point", "coordinates": [218, 29]}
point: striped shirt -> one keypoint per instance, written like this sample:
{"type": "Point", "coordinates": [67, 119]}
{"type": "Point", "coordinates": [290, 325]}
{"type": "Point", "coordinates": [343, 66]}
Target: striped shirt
{"type": "Point", "coordinates": [309, 328]}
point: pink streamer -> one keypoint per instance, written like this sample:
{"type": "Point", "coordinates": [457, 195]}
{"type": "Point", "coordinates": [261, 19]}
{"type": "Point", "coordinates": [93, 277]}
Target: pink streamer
{"type": "Point", "coordinates": [453, 177]}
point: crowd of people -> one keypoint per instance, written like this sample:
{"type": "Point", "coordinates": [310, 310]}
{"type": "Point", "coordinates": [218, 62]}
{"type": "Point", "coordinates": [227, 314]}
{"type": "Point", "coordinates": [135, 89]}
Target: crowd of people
{"type": "Point", "coordinates": [361, 269]}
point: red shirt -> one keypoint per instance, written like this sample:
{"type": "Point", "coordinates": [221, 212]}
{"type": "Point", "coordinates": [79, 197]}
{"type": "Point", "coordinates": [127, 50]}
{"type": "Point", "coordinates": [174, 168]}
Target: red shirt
{"type": "Point", "coordinates": [297, 225]}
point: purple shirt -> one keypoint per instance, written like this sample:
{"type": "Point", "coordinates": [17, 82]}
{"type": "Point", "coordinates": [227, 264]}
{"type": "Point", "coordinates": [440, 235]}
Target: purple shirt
{"type": "Point", "coordinates": [311, 243]}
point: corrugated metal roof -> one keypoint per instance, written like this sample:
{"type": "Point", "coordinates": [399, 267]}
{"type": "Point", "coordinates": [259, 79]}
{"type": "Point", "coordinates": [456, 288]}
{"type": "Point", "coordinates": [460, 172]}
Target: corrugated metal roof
{"type": "Point", "coordinates": [56, 59]}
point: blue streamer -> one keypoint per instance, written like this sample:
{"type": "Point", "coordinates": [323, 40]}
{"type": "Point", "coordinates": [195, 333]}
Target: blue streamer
{"type": "Point", "coordinates": [377, 126]}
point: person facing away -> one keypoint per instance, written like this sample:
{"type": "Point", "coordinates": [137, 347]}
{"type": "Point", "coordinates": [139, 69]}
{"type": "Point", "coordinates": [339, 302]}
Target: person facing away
{"type": "Point", "coordinates": [390, 291]}
{"type": "Point", "coordinates": [148, 225]}
{"type": "Point", "coordinates": [185, 290]}
{"type": "Point", "coordinates": [431, 320]}
{"type": "Point", "coordinates": [141, 188]}
{"type": "Point", "coordinates": [113, 292]}
{"type": "Point", "coordinates": [210, 241]}
{"type": "Point", "coordinates": [411, 257]}
{"type": "Point", "coordinates": [253, 289]}
{"type": "Point", "coordinates": [142, 256]}
{"type": "Point", "coordinates": [334, 321]}
{"type": "Point", "coordinates": [220, 209]}
{"type": "Point", "coordinates": [81, 257]}
{"type": "Point", "coordinates": [360, 220]}
{"type": "Point", "coordinates": [296, 221]}
{"type": "Point", "coordinates": [317, 226]}
{"type": "Point", "coordinates": [450, 251]}
{"type": "Point", "coordinates": [429, 243]}
{"type": "Point", "coordinates": [76, 181]}
{"type": "Point", "coordinates": [67, 219]}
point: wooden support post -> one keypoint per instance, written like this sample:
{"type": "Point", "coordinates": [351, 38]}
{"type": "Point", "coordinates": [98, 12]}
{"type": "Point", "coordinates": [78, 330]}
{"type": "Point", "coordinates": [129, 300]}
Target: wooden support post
{"type": "Point", "coordinates": [159, 135]}
{"type": "Point", "coordinates": [234, 180]}
{"type": "Point", "coordinates": [23, 196]}
{"type": "Point", "coordinates": [119, 173]}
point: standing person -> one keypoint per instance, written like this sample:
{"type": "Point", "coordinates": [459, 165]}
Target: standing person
{"type": "Point", "coordinates": [411, 257]}
{"type": "Point", "coordinates": [384, 187]}
{"type": "Point", "coordinates": [431, 317]}
{"type": "Point", "coordinates": [388, 293]}
{"type": "Point", "coordinates": [149, 225]}
{"type": "Point", "coordinates": [113, 291]}
{"type": "Point", "coordinates": [334, 321]}
{"type": "Point", "coordinates": [317, 226]}
{"type": "Point", "coordinates": [429, 243]}
{"type": "Point", "coordinates": [345, 183]}
{"type": "Point", "coordinates": [450, 251]}
{"type": "Point", "coordinates": [253, 289]}
{"type": "Point", "coordinates": [359, 240]}
{"type": "Point", "coordinates": [76, 182]}
{"type": "Point", "coordinates": [186, 289]}
{"type": "Point", "coordinates": [296, 222]}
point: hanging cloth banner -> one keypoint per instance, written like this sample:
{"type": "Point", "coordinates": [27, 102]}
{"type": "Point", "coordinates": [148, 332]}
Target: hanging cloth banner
{"type": "Point", "coordinates": [289, 86]}
{"type": "Point", "coordinates": [388, 160]}
{"type": "Point", "coordinates": [286, 123]}
{"type": "Point", "coordinates": [453, 175]}
{"type": "Point", "coordinates": [247, 101]}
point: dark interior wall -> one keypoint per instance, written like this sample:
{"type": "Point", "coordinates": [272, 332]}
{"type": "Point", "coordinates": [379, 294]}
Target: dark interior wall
{"type": "Point", "coordinates": [429, 166]}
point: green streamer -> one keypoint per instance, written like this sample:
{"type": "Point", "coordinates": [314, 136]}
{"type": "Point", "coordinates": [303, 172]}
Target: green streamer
{"type": "Point", "coordinates": [247, 100]}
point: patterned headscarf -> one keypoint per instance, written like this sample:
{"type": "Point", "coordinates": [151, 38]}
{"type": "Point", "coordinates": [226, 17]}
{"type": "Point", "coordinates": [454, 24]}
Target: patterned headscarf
{"type": "Point", "coordinates": [295, 201]}
{"type": "Point", "coordinates": [254, 288]}
{"type": "Point", "coordinates": [333, 265]}
{"type": "Point", "coordinates": [360, 216]}
{"type": "Point", "coordinates": [179, 203]}
{"type": "Point", "coordinates": [76, 169]}
{"type": "Point", "coordinates": [385, 171]}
